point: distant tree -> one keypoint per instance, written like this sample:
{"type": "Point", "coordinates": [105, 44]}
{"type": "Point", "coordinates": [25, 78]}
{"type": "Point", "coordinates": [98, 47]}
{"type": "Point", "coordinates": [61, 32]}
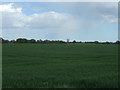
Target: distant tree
{"type": "Point", "coordinates": [46, 41]}
{"type": "Point", "coordinates": [107, 42]}
{"type": "Point", "coordinates": [74, 41]}
{"type": "Point", "coordinates": [21, 40]}
{"type": "Point", "coordinates": [4, 41]}
{"type": "Point", "coordinates": [24, 40]}
{"type": "Point", "coordinates": [96, 42]}
{"type": "Point", "coordinates": [32, 41]}
{"type": "Point", "coordinates": [39, 41]}
{"type": "Point", "coordinates": [61, 41]}
{"type": "Point", "coordinates": [80, 42]}
{"type": "Point", "coordinates": [12, 41]}
{"type": "Point", "coordinates": [117, 42]}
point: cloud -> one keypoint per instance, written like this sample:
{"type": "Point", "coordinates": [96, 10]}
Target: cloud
{"type": "Point", "coordinates": [48, 20]}
{"type": "Point", "coordinates": [74, 23]}
{"type": "Point", "coordinates": [108, 12]}
{"type": "Point", "coordinates": [96, 11]}
{"type": "Point", "coordinates": [11, 16]}
{"type": "Point", "coordinates": [10, 8]}
{"type": "Point", "coordinates": [15, 18]}
{"type": "Point", "coordinates": [110, 18]}
{"type": "Point", "coordinates": [48, 24]}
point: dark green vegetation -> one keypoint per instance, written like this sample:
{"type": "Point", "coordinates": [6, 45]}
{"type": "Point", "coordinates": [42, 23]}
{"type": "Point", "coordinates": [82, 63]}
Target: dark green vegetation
{"type": "Point", "coordinates": [60, 66]}
{"type": "Point", "coordinates": [24, 40]}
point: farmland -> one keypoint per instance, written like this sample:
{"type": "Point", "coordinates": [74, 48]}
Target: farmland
{"type": "Point", "coordinates": [60, 65]}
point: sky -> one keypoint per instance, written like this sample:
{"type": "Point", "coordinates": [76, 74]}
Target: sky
{"type": "Point", "coordinates": [80, 21]}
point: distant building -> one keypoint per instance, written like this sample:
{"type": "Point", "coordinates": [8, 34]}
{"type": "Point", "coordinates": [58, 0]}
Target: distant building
{"type": "Point", "coordinates": [68, 40]}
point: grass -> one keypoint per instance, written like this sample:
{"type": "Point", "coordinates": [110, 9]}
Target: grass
{"type": "Point", "coordinates": [60, 66]}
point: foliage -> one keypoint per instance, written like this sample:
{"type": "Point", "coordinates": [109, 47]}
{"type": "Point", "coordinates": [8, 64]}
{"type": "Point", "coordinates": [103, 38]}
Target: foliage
{"type": "Point", "coordinates": [24, 40]}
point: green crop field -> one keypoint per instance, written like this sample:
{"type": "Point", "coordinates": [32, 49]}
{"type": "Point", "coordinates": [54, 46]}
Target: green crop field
{"type": "Point", "coordinates": [60, 66]}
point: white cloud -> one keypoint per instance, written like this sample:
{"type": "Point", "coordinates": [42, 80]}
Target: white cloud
{"type": "Point", "coordinates": [15, 18]}
{"type": "Point", "coordinates": [51, 24]}
{"type": "Point", "coordinates": [9, 8]}
{"type": "Point", "coordinates": [11, 16]}
{"type": "Point", "coordinates": [48, 20]}
{"type": "Point", "coordinates": [109, 18]}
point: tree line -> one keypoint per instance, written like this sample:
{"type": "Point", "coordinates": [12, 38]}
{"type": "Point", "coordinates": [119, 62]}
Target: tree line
{"type": "Point", "coordinates": [24, 40]}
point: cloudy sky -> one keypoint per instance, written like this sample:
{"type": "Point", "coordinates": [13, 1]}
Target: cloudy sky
{"type": "Point", "coordinates": [81, 21]}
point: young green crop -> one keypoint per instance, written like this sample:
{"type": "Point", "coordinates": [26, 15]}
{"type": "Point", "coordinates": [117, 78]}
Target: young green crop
{"type": "Point", "coordinates": [60, 66]}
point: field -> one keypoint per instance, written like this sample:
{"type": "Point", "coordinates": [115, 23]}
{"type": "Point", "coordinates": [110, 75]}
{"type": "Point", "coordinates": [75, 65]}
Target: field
{"type": "Point", "coordinates": [60, 66]}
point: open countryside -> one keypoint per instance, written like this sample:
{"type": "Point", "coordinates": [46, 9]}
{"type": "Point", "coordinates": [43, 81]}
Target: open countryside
{"type": "Point", "coordinates": [71, 65]}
